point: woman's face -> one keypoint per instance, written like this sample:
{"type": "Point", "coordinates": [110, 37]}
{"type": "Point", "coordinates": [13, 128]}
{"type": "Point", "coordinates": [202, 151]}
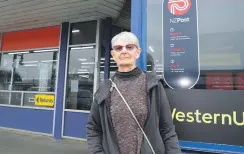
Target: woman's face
{"type": "Point", "coordinates": [125, 54]}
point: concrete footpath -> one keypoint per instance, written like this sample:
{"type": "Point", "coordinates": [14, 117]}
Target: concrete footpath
{"type": "Point", "coordinates": [12, 142]}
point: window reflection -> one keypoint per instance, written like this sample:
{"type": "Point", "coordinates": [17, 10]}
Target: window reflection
{"type": "Point", "coordinates": [81, 65]}
{"type": "Point", "coordinates": [6, 71]}
{"type": "Point", "coordinates": [220, 44]}
{"type": "Point", "coordinates": [36, 72]}
{"type": "Point", "coordinates": [4, 97]}
{"type": "Point", "coordinates": [102, 64]}
{"type": "Point", "coordinates": [27, 72]}
{"type": "Point", "coordinates": [113, 66]}
{"type": "Point", "coordinates": [16, 98]}
{"type": "Point", "coordinates": [83, 32]}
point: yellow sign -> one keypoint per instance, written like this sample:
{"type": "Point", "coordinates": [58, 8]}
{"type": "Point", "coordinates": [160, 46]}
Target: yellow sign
{"type": "Point", "coordinates": [44, 100]}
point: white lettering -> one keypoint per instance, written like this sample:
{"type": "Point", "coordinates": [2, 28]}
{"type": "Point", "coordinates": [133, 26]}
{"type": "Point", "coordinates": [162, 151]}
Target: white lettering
{"type": "Point", "coordinates": [179, 20]}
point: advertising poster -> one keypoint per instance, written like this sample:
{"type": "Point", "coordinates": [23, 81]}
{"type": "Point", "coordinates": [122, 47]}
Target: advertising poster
{"type": "Point", "coordinates": [180, 43]}
{"type": "Point", "coordinates": [208, 116]}
{"type": "Point", "coordinates": [239, 81]}
{"type": "Point", "coordinates": [221, 81]}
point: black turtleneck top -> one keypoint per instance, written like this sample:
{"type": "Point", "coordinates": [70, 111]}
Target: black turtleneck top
{"type": "Point", "coordinates": [128, 75]}
{"type": "Point", "coordinates": [132, 85]}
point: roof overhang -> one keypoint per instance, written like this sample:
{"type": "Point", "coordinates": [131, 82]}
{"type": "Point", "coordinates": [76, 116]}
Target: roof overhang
{"type": "Point", "coordinates": [27, 14]}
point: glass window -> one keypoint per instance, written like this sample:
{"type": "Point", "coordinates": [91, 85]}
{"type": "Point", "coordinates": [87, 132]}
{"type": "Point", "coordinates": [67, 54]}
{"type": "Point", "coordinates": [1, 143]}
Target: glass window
{"type": "Point", "coordinates": [4, 97]}
{"type": "Point", "coordinates": [6, 71]}
{"type": "Point", "coordinates": [103, 33]}
{"type": "Point", "coordinates": [116, 30]}
{"type": "Point", "coordinates": [15, 98]}
{"type": "Point", "coordinates": [220, 43]}
{"type": "Point", "coordinates": [80, 78]}
{"type": "Point", "coordinates": [27, 74]}
{"type": "Point", "coordinates": [83, 32]}
{"type": "Point", "coordinates": [35, 72]}
{"type": "Point", "coordinates": [102, 64]}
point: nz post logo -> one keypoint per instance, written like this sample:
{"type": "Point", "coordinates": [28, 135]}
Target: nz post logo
{"type": "Point", "coordinates": [179, 7]}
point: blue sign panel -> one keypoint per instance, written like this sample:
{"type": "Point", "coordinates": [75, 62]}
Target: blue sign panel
{"type": "Point", "coordinates": [180, 43]}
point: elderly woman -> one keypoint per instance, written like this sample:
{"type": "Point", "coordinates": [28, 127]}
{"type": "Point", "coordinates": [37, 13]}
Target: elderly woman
{"type": "Point", "coordinates": [130, 113]}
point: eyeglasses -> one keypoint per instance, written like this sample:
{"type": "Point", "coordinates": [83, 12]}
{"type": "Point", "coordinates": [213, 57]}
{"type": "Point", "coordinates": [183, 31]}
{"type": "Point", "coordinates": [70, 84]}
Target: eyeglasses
{"type": "Point", "coordinates": [128, 47]}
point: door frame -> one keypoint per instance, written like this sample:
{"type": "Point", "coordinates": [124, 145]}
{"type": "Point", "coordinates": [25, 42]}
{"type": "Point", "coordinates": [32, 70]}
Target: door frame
{"type": "Point", "coordinates": [96, 76]}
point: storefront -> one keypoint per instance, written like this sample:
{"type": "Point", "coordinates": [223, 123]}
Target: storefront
{"type": "Point", "coordinates": [48, 76]}
{"type": "Point", "coordinates": [52, 57]}
{"type": "Point", "coordinates": [197, 47]}
{"type": "Point", "coordinates": [49, 72]}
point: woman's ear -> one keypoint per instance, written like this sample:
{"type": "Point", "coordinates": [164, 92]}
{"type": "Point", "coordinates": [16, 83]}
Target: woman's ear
{"type": "Point", "coordinates": [138, 53]}
{"type": "Point", "coordinates": [112, 53]}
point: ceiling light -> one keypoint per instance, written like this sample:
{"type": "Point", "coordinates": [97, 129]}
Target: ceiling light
{"type": "Point", "coordinates": [13, 53]}
{"type": "Point", "coordinates": [30, 65]}
{"type": "Point", "coordinates": [83, 72]}
{"type": "Point", "coordinates": [49, 61]}
{"type": "Point", "coordinates": [27, 62]}
{"type": "Point", "coordinates": [80, 48]}
{"type": "Point", "coordinates": [82, 59]}
{"type": "Point", "coordinates": [48, 50]}
{"type": "Point", "coordinates": [88, 63]}
{"type": "Point", "coordinates": [76, 31]}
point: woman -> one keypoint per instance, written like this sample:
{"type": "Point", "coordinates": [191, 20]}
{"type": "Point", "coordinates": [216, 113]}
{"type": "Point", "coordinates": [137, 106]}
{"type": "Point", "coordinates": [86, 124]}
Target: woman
{"type": "Point", "coordinates": [111, 127]}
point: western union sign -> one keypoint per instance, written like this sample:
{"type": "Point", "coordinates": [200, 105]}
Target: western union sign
{"type": "Point", "coordinates": [44, 100]}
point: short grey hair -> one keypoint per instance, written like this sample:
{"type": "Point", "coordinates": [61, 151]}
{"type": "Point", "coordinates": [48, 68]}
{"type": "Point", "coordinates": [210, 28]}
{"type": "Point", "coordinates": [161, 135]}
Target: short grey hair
{"type": "Point", "coordinates": [125, 37]}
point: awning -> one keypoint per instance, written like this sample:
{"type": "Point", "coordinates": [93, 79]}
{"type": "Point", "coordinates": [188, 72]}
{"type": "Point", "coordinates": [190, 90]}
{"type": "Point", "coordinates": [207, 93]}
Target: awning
{"type": "Point", "coordinates": [26, 14]}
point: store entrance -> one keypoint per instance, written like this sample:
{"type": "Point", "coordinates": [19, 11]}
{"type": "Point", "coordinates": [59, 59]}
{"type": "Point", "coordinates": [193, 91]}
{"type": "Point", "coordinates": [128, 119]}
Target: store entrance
{"type": "Point", "coordinates": [80, 75]}
{"type": "Point", "coordinates": [89, 62]}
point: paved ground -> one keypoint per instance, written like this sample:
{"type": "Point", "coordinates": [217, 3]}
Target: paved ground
{"type": "Point", "coordinates": [12, 142]}
{"type": "Point", "coordinates": [20, 143]}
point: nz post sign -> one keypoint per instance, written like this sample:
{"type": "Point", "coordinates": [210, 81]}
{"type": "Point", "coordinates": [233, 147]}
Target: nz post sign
{"type": "Point", "coordinates": [180, 41]}
{"type": "Point", "coordinates": [44, 100]}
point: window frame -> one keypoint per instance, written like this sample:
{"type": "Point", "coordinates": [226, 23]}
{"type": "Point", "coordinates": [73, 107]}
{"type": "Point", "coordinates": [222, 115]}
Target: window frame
{"type": "Point", "coordinates": [97, 45]}
{"type": "Point", "coordinates": [31, 92]}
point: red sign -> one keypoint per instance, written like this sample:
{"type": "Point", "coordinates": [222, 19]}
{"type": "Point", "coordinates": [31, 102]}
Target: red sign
{"type": "Point", "coordinates": [222, 81]}
{"type": "Point", "coordinates": [179, 7]}
{"type": "Point", "coordinates": [239, 79]}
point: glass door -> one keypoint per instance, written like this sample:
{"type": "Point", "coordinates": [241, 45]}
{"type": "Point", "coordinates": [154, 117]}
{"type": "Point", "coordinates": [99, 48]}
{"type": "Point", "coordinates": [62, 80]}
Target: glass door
{"type": "Point", "coordinates": [80, 78]}
{"type": "Point", "coordinates": [83, 73]}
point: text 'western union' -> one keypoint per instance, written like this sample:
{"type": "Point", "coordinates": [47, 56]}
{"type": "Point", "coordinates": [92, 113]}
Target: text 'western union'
{"type": "Point", "coordinates": [208, 118]}
{"type": "Point", "coordinates": [44, 100]}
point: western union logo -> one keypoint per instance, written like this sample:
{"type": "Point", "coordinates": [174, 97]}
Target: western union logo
{"type": "Point", "coordinates": [44, 100]}
{"type": "Point", "coordinates": [233, 118]}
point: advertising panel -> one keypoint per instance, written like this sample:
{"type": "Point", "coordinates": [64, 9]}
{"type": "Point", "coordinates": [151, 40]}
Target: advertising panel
{"type": "Point", "coordinates": [180, 42]}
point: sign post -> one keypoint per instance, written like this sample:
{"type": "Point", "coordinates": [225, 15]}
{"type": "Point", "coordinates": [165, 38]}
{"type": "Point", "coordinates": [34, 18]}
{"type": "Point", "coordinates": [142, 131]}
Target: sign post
{"type": "Point", "coordinates": [180, 43]}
